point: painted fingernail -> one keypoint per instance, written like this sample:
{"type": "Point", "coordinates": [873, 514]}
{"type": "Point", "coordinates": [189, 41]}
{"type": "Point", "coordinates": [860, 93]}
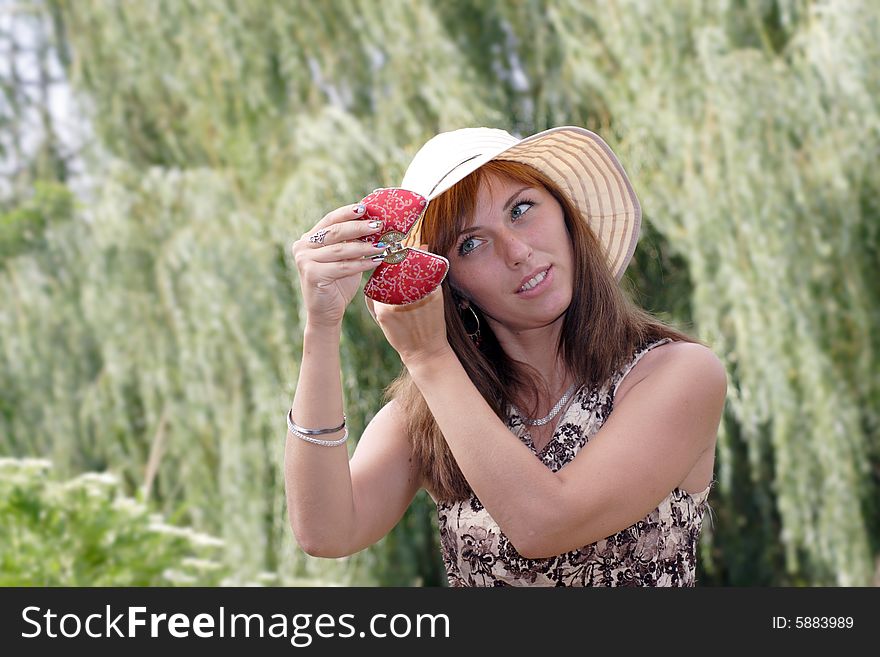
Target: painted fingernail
{"type": "Point", "coordinates": [377, 257]}
{"type": "Point", "coordinates": [375, 224]}
{"type": "Point", "coordinates": [360, 209]}
{"type": "Point", "coordinates": [380, 245]}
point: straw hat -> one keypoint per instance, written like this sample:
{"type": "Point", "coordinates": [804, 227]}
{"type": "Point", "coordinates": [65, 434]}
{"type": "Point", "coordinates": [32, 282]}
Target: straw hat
{"type": "Point", "coordinates": [577, 160]}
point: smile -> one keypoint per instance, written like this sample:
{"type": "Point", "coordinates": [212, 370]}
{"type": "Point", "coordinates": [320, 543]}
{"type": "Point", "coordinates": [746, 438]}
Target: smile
{"type": "Point", "coordinates": [535, 282]}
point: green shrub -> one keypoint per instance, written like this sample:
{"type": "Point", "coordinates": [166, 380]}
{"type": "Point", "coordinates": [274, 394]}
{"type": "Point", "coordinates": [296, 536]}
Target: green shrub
{"type": "Point", "coordinates": [85, 532]}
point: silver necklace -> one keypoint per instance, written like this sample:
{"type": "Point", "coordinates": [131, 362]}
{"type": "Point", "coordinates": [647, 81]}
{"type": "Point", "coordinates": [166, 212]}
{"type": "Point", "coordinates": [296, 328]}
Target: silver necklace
{"type": "Point", "coordinates": [553, 411]}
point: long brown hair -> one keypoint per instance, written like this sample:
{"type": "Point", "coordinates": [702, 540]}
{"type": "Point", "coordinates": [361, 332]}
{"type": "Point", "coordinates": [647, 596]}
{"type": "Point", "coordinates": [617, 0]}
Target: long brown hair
{"type": "Point", "coordinates": [601, 330]}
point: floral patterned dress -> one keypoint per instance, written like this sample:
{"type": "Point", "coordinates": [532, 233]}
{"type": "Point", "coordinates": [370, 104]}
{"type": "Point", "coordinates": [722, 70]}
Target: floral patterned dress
{"type": "Point", "coordinates": [659, 550]}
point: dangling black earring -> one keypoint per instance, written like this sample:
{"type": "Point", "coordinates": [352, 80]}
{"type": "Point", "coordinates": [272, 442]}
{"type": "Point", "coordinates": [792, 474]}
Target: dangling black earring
{"type": "Point", "coordinates": [475, 333]}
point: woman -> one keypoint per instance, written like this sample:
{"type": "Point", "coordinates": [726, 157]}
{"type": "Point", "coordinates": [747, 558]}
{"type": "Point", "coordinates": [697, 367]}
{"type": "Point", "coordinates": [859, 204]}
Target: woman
{"type": "Point", "coordinates": [567, 436]}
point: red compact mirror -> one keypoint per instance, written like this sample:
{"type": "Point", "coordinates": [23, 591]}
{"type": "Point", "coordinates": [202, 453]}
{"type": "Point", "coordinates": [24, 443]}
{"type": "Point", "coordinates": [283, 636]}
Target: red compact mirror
{"type": "Point", "coordinates": [407, 274]}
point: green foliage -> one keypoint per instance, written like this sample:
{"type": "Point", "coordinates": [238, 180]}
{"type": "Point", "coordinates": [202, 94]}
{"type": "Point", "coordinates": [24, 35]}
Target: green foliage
{"type": "Point", "coordinates": [85, 532]}
{"type": "Point", "coordinates": [159, 330]}
{"type": "Point", "coordinates": [22, 228]}
{"type": "Point", "coordinates": [757, 156]}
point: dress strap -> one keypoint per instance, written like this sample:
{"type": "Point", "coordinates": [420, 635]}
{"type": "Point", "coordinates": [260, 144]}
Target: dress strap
{"type": "Point", "coordinates": [636, 358]}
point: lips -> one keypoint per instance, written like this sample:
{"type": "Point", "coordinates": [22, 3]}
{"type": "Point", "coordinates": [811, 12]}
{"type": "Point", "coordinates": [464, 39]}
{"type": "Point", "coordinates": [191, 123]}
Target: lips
{"type": "Point", "coordinates": [529, 277]}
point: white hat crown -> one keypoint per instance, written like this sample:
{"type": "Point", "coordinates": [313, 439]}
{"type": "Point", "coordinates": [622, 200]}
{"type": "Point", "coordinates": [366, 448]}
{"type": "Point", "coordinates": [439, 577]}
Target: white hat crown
{"type": "Point", "coordinates": [435, 164]}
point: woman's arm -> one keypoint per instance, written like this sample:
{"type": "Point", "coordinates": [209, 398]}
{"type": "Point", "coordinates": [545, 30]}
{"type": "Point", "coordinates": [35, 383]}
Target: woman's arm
{"type": "Point", "coordinates": [335, 508]}
{"type": "Point", "coordinates": [644, 450]}
{"type": "Point", "coordinates": [318, 481]}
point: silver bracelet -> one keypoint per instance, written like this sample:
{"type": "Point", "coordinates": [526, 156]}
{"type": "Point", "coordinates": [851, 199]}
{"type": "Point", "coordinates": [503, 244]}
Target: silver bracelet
{"type": "Point", "coordinates": [303, 434]}
{"type": "Point", "coordinates": [311, 432]}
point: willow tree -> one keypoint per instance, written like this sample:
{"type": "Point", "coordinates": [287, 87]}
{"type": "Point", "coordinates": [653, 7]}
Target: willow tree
{"type": "Point", "coordinates": [163, 327]}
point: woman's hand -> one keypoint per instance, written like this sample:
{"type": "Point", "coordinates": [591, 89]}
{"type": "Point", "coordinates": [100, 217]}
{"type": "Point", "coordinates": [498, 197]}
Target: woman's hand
{"type": "Point", "coordinates": [417, 331]}
{"type": "Point", "coordinates": [330, 264]}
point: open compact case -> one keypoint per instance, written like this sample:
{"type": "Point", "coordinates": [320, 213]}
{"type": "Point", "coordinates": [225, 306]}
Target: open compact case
{"type": "Point", "coordinates": [407, 273]}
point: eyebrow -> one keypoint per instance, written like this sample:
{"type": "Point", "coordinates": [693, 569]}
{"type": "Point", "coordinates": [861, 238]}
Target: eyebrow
{"type": "Point", "coordinates": [504, 208]}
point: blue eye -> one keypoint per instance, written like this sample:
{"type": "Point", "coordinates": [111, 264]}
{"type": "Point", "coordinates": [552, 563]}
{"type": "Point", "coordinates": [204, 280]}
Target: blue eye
{"type": "Point", "coordinates": [516, 212]}
{"type": "Point", "coordinates": [462, 249]}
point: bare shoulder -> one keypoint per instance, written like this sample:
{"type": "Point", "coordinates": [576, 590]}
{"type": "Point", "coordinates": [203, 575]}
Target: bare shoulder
{"type": "Point", "coordinates": [692, 365]}
{"type": "Point", "coordinates": [393, 412]}
{"type": "Point", "coordinates": [679, 390]}
{"type": "Point", "coordinates": [687, 353]}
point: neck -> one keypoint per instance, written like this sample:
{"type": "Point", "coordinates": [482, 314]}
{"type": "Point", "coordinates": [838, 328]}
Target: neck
{"type": "Point", "coordinates": [537, 347]}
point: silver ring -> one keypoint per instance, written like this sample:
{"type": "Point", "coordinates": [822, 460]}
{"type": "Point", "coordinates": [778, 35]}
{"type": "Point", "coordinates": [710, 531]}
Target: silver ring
{"type": "Point", "coordinates": [318, 238]}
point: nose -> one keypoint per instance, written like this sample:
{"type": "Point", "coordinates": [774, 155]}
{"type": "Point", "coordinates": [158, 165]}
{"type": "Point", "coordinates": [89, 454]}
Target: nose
{"type": "Point", "coordinates": [516, 250]}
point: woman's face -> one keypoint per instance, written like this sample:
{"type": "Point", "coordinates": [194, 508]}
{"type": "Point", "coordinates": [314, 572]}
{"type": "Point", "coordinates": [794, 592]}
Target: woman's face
{"type": "Point", "coordinates": [515, 261]}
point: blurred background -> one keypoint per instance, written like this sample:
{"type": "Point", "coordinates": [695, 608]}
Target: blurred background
{"type": "Point", "coordinates": [158, 159]}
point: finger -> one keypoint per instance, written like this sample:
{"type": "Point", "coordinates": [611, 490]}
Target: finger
{"type": "Point", "coordinates": [341, 232]}
{"type": "Point", "coordinates": [329, 263]}
{"type": "Point", "coordinates": [346, 251]}
{"type": "Point", "coordinates": [345, 213]}
{"type": "Point", "coordinates": [324, 274]}
{"type": "Point", "coordinates": [317, 236]}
